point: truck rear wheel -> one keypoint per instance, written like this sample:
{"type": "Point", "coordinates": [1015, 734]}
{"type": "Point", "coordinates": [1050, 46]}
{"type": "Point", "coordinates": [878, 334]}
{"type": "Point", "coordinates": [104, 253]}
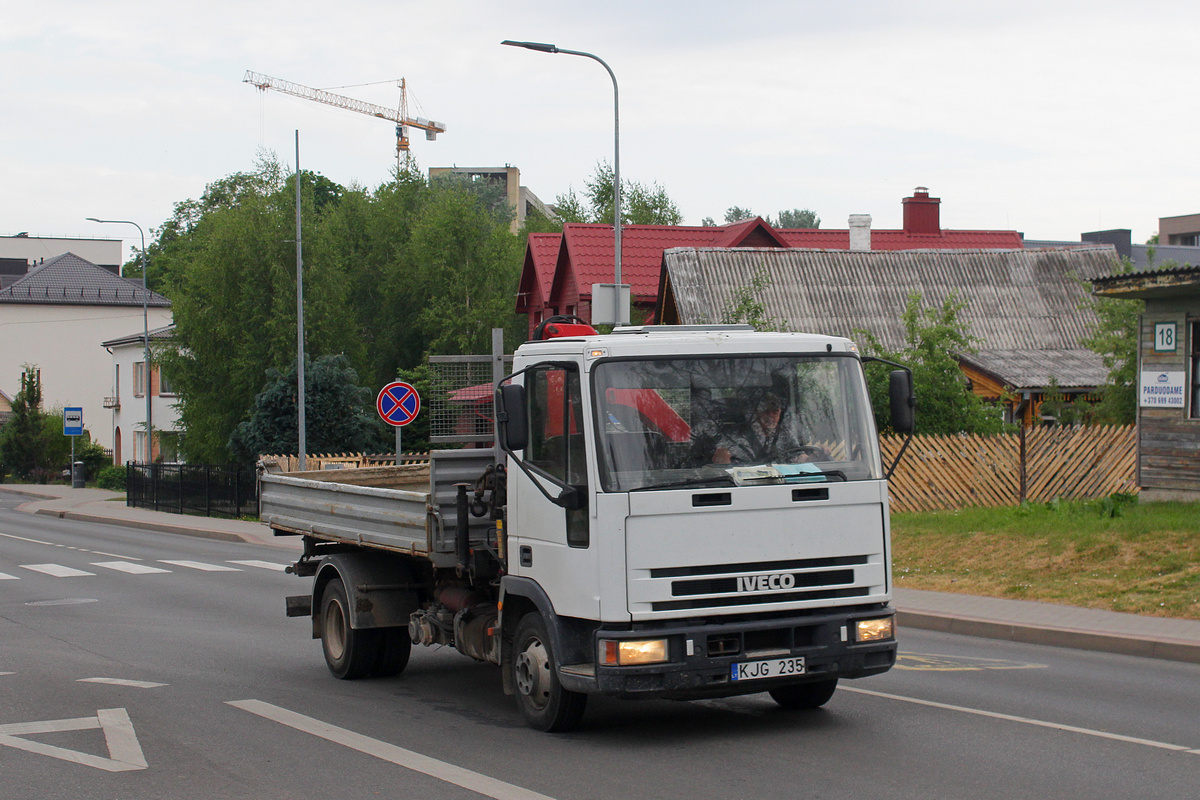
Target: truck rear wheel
{"type": "Point", "coordinates": [541, 699]}
{"type": "Point", "coordinates": [393, 649]}
{"type": "Point", "coordinates": [349, 653]}
{"type": "Point", "coordinates": [804, 695]}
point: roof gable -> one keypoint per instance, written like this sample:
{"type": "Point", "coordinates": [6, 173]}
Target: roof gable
{"type": "Point", "coordinates": [537, 273]}
{"type": "Point", "coordinates": [71, 280]}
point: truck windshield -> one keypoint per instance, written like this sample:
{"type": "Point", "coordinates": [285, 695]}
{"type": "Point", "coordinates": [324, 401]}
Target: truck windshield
{"type": "Point", "coordinates": [688, 422]}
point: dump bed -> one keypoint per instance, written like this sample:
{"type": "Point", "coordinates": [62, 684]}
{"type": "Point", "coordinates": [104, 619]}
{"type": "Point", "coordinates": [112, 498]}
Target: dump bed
{"type": "Point", "coordinates": [408, 508]}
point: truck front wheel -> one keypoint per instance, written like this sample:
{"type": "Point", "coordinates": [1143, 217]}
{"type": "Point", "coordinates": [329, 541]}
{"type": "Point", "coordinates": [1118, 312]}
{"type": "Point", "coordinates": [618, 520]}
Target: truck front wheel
{"type": "Point", "coordinates": [804, 695]}
{"type": "Point", "coordinates": [349, 653]}
{"type": "Point", "coordinates": [542, 700]}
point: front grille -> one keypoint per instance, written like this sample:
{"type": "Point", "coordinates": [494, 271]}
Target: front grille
{"type": "Point", "coordinates": [757, 598]}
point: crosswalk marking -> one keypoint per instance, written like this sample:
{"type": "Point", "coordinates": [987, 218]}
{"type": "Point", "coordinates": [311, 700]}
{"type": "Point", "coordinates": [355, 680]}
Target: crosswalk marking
{"type": "Point", "coordinates": [125, 566]}
{"type": "Point", "coordinates": [271, 565]}
{"type": "Point", "coordinates": [57, 570]}
{"type": "Point", "coordinates": [122, 682]}
{"type": "Point", "coordinates": [200, 565]}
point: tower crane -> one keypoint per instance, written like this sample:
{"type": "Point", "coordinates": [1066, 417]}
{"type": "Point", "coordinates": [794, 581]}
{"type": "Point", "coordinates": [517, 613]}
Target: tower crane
{"type": "Point", "coordinates": [400, 117]}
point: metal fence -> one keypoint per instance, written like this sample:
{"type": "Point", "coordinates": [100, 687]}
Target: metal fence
{"type": "Point", "coordinates": [205, 490]}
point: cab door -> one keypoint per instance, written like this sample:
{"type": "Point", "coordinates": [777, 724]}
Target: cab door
{"type": "Point", "coordinates": [547, 542]}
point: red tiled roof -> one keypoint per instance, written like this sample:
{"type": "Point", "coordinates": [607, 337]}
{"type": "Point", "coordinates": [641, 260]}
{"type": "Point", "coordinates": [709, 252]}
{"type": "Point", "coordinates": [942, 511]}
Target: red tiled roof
{"type": "Point", "coordinates": [900, 240]}
{"type": "Point", "coordinates": [590, 249]}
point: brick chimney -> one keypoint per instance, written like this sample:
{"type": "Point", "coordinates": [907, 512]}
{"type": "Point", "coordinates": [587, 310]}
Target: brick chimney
{"type": "Point", "coordinates": [860, 231]}
{"type": "Point", "coordinates": [921, 213]}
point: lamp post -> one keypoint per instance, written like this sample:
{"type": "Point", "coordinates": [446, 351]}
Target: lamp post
{"type": "Point", "coordinates": [621, 310]}
{"type": "Point", "coordinates": [145, 332]}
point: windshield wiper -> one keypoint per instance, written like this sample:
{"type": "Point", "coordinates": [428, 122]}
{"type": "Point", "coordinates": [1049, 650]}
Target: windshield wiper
{"type": "Point", "coordinates": [711, 480]}
{"type": "Point", "coordinates": [804, 477]}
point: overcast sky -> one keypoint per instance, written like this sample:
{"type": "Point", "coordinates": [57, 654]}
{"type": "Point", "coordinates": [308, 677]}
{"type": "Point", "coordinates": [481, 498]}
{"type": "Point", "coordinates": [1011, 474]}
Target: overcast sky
{"type": "Point", "coordinates": [1050, 118]}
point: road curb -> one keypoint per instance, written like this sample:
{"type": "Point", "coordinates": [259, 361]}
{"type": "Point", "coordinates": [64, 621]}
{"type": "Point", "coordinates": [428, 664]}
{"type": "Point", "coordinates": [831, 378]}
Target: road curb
{"type": "Point", "coordinates": [146, 526]}
{"type": "Point", "coordinates": [1144, 647]}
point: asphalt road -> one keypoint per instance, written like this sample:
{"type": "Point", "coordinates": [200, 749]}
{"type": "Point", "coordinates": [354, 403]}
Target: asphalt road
{"type": "Point", "coordinates": [170, 671]}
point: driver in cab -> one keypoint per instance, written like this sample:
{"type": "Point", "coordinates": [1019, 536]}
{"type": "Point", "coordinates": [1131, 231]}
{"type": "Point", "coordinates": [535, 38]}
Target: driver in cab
{"type": "Point", "coordinates": [762, 439]}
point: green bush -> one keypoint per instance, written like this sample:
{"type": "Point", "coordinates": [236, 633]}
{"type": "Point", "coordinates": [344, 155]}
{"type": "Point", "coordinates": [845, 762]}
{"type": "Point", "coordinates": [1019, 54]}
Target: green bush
{"type": "Point", "coordinates": [111, 477]}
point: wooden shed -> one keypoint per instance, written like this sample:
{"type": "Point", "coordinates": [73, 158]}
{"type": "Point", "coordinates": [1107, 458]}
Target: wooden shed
{"type": "Point", "coordinates": [1168, 378]}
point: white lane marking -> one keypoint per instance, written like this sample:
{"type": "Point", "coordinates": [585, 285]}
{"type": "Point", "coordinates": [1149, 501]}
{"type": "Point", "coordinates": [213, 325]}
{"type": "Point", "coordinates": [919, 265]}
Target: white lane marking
{"type": "Point", "coordinates": [68, 547]}
{"type": "Point", "coordinates": [1024, 720]}
{"type": "Point", "coordinates": [125, 566]}
{"type": "Point", "coordinates": [200, 565]}
{"type": "Point", "coordinates": [57, 570]}
{"type": "Point", "coordinates": [4, 576]}
{"type": "Point", "coordinates": [262, 565]}
{"type": "Point", "coordinates": [124, 752]}
{"type": "Point", "coordinates": [122, 682]}
{"type": "Point", "coordinates": [450, 773]}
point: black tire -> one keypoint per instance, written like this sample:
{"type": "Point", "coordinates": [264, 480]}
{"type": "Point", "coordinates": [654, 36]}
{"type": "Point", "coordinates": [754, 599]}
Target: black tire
{"type": "Point", "coordinates": [394, 646]}
{"type": "Point", "coordinates": [349, 653]}
{"type": "Point", "coordinates": [801, 696]}
{"type": "Point", "coordinates": [541, 699]}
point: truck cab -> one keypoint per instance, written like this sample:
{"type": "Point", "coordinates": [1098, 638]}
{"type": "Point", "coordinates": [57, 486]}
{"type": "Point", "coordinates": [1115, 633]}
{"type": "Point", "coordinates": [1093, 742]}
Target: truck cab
{"type": "Point", "coordinates": [691, 513]}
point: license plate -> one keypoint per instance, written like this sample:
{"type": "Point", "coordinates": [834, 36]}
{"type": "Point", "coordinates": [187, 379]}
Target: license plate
{"type": "Point", "coordinates": [770, 668]}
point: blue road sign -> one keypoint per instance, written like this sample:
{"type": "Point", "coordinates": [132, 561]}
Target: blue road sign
{"type": "Point", "coordinates": [398, 403]}
{"type": "Point", "coordinates": [73, 421]}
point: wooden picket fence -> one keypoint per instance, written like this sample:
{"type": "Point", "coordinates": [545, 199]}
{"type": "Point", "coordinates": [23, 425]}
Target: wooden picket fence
{"type": "Point", "coordinates": [943, 472]}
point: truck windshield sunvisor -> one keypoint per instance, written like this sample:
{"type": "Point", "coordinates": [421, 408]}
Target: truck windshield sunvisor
{"type": "Point", "coordinates": [681, 422]}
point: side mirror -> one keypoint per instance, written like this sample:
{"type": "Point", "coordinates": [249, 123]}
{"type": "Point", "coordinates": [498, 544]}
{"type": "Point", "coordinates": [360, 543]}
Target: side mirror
{"type": "Point", "coordinates": [903, 403]}
{"type": "Point", "coordinates": [511, 426]}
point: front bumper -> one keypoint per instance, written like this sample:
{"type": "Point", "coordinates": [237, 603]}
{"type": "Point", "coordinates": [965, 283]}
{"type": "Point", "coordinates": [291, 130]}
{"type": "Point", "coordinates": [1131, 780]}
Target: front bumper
{"type": "Point", "coordinates": [702, 656]}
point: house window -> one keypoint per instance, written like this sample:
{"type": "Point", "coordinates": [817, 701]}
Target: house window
{"type": "Point", "coordinates": [117, 382]}
{"type": "Point", "coordinates": [139, 379]}
{"type": "Point", "coordinates": [139, 447]}
{"type": "Point", "coordinates": [165, 386]}
{"type": "Point", "coordinates": [1195, 359]}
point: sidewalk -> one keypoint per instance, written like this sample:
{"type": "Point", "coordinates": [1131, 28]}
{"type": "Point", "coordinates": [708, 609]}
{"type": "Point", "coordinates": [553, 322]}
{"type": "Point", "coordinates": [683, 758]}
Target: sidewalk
{"type": "Point", "coordinates": [105, 507]}
{"type": "Point", "coordinates": [968, 615]}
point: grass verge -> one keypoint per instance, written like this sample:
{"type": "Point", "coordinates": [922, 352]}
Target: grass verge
{"type": "Point", "coordinates": [1115, 554]}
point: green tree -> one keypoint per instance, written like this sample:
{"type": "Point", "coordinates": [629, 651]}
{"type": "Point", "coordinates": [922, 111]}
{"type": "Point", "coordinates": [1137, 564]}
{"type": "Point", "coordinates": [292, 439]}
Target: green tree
{"type": "Point", "coordinates": [797, 218]}
{"type": "Point", "coordinates": [338, 413]}
{"type": "Point", "coordinates": [1115, 339]}
{"type": "Point", "coordinates": [945, 404]}
{"type": "Point", "coordinates": [32, 445]}
{"type": "Point", "coordinates": [641, 204]}
{"type": "Point", "coordinates": [232, 282]}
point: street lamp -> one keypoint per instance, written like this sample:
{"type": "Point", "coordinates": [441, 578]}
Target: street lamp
{"type": "Point", "coordinates": [621, 310]}
{"type": "Point", "coordinates": [145, 331]}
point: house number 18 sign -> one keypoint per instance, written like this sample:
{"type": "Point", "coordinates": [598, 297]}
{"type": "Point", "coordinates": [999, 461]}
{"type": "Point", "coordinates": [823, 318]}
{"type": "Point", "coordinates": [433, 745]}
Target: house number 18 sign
{"type": "Point", "coordinates": [1164, 337]}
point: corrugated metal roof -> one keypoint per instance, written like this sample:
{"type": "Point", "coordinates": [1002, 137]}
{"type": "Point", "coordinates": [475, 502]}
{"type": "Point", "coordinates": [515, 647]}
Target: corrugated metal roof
{"type": "Point", "coordinates": [71, 280]}
{"type": "Point", "coordinates": [590, 246]}
{"type": "Point", "coordinates": [1035, 369]}
{"type": "Point", "coordinates": [1015, 299]}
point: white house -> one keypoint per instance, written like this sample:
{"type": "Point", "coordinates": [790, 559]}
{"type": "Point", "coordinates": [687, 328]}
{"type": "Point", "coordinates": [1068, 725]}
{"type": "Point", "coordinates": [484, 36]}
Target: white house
{"type": "Point", "coordinates": [128, 401]}
{"type": "Point", "coordinates": [56, 317]}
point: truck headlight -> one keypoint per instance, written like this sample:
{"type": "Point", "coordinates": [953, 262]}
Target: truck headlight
{"type": "Point", "coordinates": [624, 652]}
{"type": "Point", "coordinates": [874, 630]}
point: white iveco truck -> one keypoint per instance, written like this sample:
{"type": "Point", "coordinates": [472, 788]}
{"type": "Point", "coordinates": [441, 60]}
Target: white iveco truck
{"type": "Point", "coordinates": [671, 512]}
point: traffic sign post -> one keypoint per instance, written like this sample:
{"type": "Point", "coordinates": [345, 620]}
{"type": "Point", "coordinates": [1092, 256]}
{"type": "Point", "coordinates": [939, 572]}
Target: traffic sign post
{"type": "Point", "coordinates": [73, 426]}
{"type": "Point", "coordinates": [398, 404]}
